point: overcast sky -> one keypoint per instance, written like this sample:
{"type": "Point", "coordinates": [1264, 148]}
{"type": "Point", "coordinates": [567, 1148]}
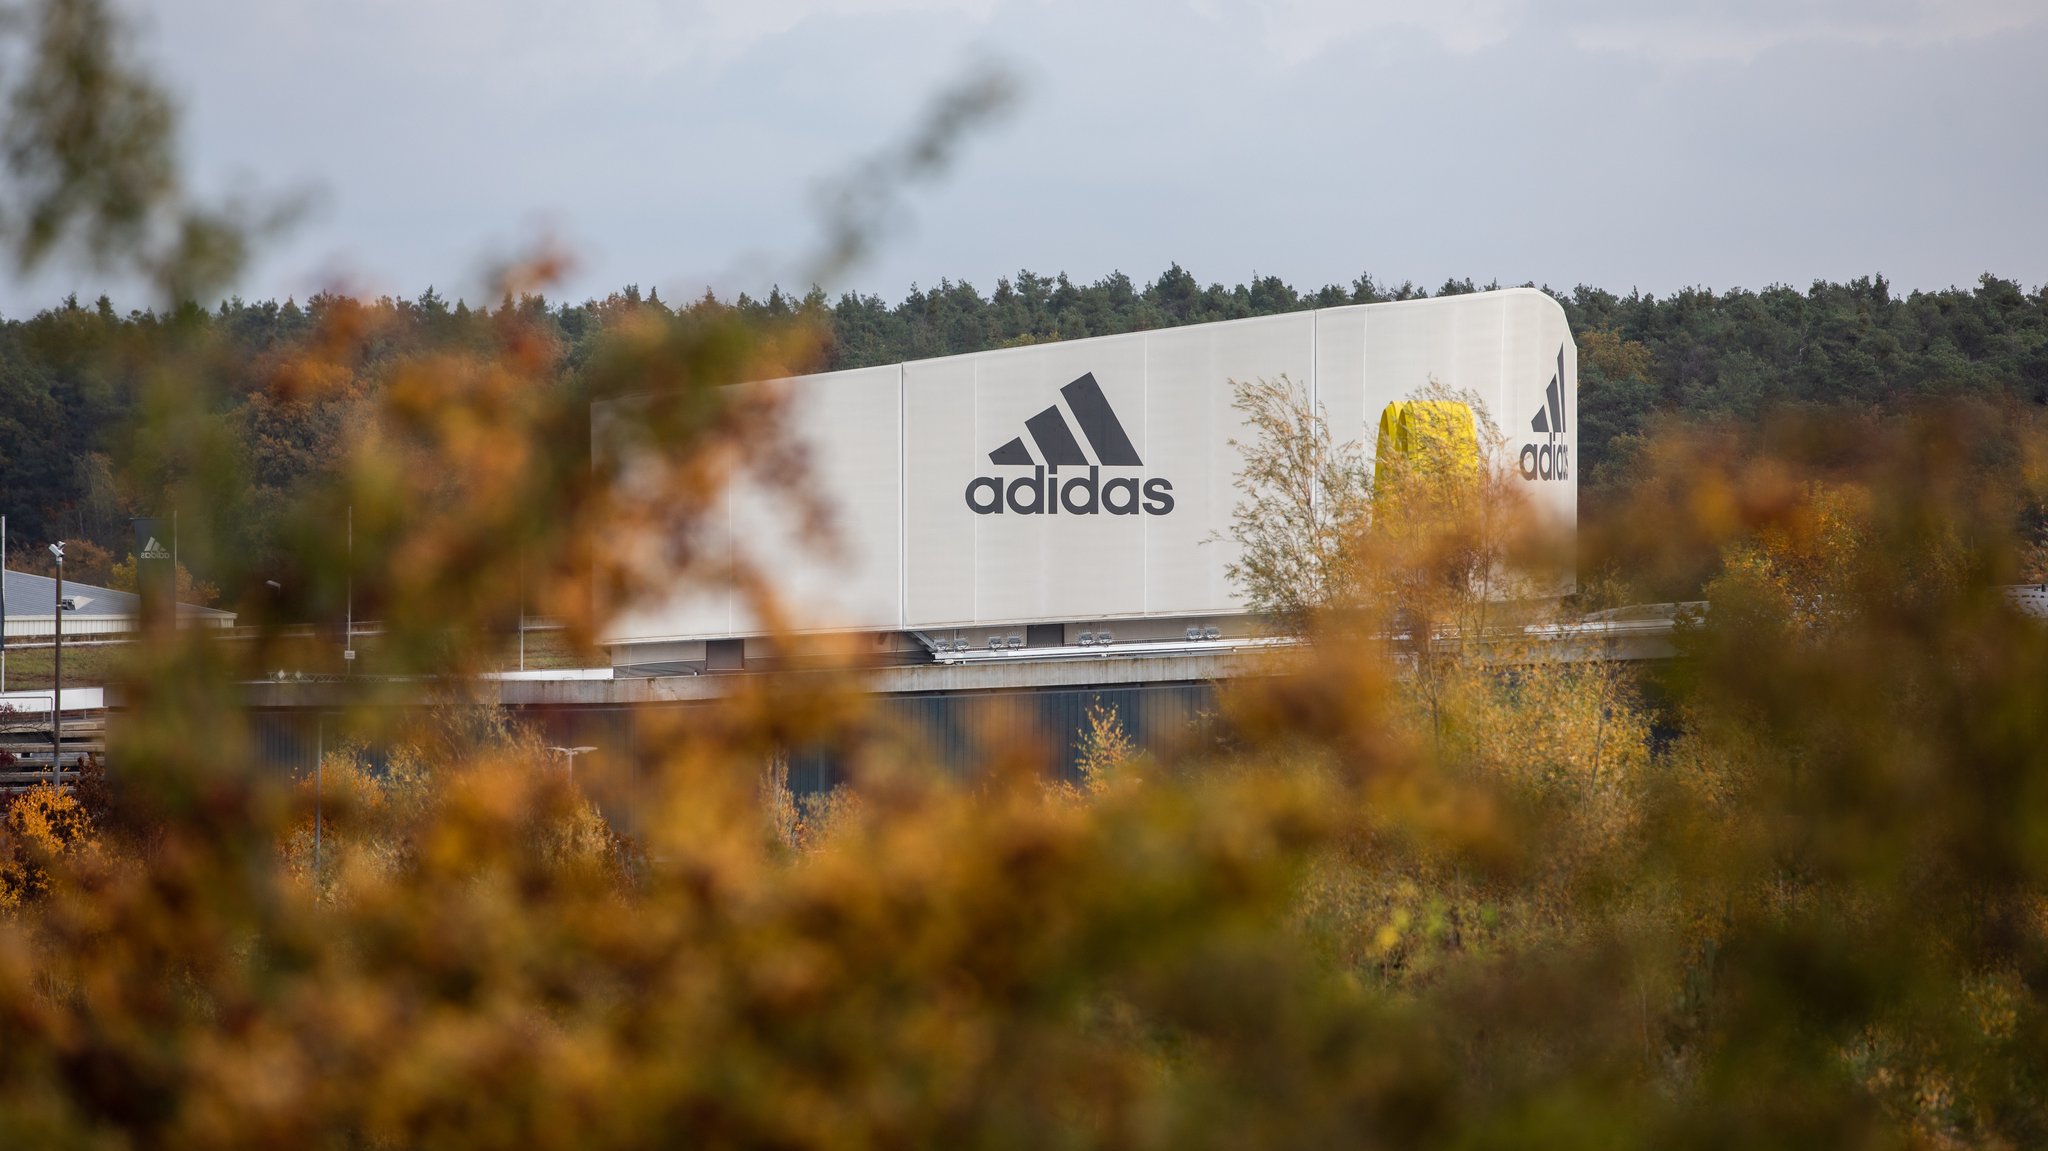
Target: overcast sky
{"type": "Point", "coordinates": [682, 145]}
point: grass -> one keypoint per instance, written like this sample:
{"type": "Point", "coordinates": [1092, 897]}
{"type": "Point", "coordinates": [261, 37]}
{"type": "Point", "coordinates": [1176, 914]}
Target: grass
{"type": "Point", "coordinates": [30, 669]}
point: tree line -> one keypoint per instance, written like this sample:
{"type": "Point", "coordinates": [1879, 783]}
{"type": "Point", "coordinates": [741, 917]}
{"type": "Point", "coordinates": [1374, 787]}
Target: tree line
{"type": "Point", "coordinates": [75, 378]}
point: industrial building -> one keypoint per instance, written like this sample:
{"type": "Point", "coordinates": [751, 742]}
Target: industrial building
{"type": "Point", "coordinates": [91, 615]}
{"type": "Point", "coordinates": [30, 606]}
{"type": "Point", "coordinates": [1025, 532]}
{"type": "Point", "coordinates": [1079, 494]}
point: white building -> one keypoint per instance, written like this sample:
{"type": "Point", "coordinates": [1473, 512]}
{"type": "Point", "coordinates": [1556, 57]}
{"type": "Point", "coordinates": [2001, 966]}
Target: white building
{"type": "Point", "coordinates": [1087, 487]}
{"type": "Point", "coordinates": [95, 611]}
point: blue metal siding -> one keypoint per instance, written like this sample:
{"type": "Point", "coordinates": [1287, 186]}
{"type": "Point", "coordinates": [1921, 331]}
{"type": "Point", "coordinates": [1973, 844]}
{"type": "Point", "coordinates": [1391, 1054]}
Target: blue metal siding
{"type": "Point", "coordinates": [963, 731]}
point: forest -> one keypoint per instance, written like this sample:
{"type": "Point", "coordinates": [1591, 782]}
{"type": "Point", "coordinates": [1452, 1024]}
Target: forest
{"type": "Point", "coordinates": [72, 376]}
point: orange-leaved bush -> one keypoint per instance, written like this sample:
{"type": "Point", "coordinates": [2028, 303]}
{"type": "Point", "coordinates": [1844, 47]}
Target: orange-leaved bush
{"type": "Point", "coordinates": [1417, 882]}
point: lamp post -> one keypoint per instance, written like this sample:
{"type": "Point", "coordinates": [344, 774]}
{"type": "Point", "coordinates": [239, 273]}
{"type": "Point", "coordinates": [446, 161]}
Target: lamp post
{"type": "Point", "coordinates": [569, 755]}
{"type": "Point", "coordinates": [57, 672]}
{"type": "Point", "coordinates": [348, 625]}
{"type": "Point", "coordinates": [319, 765]}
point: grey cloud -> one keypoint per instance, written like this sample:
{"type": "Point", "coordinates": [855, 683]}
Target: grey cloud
{"type": "Point", "coordinates": [1689, 30]}
{"type": "Point", "coordinates": [1743, 29]}
{"type": "Point", "coordinates": [1152, 131]}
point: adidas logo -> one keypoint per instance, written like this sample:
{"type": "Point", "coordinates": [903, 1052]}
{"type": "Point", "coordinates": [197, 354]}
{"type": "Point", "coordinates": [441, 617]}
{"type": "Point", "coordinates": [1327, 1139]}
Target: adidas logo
{"type": "Point", "coordinates": [1043, 492]}
{"type": "Point", "coordinates": [155, 551]}
{"type": "Point", "coordinates": [1552, 459]}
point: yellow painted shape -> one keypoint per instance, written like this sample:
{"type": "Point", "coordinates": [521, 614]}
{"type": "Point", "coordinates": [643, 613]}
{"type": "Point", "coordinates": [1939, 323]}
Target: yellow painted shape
{"type": "Point", "coordinates": [1429, 437]}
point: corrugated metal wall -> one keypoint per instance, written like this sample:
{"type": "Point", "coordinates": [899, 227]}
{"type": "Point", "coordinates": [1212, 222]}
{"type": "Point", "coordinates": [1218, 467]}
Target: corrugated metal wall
{"type": "Point", "coordinates": [963, 731]}
{"type": "Point", "coordinates": [968, 729]}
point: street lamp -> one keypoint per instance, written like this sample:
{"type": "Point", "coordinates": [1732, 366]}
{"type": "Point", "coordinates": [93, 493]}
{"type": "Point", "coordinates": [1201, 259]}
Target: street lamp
{"type": "Point", "coordinates": [569, 755]}
{"type": "Point", "coordinates": [57, 673]}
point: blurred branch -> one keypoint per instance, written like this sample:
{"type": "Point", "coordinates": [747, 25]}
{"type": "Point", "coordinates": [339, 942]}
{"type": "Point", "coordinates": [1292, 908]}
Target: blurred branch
{"type": "Point", "coordinates": [859, 207]}
{"type": "Point", "coordinates": [89, 164]}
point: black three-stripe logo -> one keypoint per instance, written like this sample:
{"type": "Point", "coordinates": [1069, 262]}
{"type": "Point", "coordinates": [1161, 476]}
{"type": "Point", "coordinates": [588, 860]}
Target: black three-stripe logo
{"type": "Point", "coordinates": [1056, 443]}
{"type": "Point", "coordinates": [1043, 492]}
{"type": "Point", "coordinates": [1550, 417]}
{"type": "Point", "coordinates": [1552, 459]}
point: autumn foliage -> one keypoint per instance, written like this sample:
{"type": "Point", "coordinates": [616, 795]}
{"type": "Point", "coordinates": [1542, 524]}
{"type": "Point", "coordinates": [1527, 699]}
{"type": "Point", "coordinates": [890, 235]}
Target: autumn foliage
{"type": "Point", "coordinates": [1415, 884]}
{"type": "Point", "coordinates": [1408, 888]}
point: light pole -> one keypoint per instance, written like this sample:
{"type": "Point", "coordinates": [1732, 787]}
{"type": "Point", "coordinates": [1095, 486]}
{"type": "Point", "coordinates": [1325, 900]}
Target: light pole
{"type": "Point", "coordinates": [319, 765]}
{"type": "Point", "coordinates": [569, 755]}
{"type": "Point", "coordinates": [57, 673]}
{"type": "Point", "coordinates": [348, 625]}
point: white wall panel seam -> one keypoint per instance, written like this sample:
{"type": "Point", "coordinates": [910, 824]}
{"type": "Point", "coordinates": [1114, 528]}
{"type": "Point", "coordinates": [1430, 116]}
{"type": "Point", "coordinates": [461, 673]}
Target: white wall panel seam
{"type": "Point", "coordinates": [974, 612]}
{"type": "Point", "coordinates": [902, 504]}
{"type": "Point", "coordinates": [1501, 383]}
{"type": "Point", "coordinates": [1315, 401]}
{"type": "Point", "coordinates": [732, 560]}
{"type": "Point", "coordinates": [1368, 419]}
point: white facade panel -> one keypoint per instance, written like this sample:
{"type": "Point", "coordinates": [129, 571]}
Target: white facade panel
{"type": "Point", "coordinates": [1024, 563]}
{"type": "Point", "coordinates": [1340, 376]}
{"type": "Point", "coordinates": [1454, 341]}
{"type": "Point", "coordinates": [850, 425]}
{"type": "Point", "coordinates": [1536, 345]}
{"type": "Point", "coordinates": [941, 470]}
{"type": "Point", "coordinates": [696, 610]}
{"type": "Point", "coordinates": [939, 400]}
{"type": "Point", "coordinates": [1193, 423]}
